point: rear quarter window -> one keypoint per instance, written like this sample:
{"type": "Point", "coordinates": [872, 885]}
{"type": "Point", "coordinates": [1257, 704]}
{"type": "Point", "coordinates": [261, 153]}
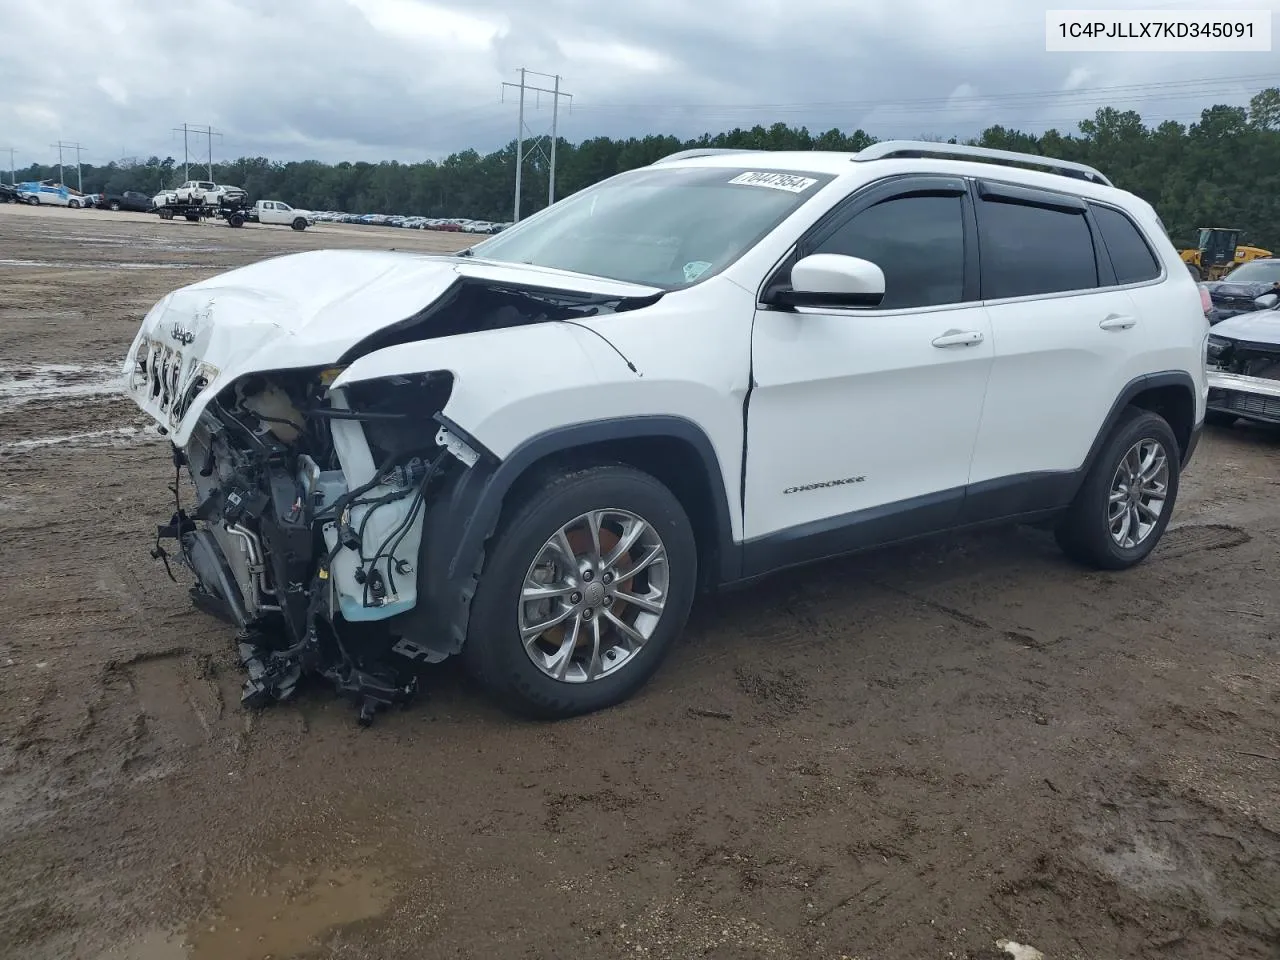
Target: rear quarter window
{"type": "Point", "coordinates": [1131, 255]}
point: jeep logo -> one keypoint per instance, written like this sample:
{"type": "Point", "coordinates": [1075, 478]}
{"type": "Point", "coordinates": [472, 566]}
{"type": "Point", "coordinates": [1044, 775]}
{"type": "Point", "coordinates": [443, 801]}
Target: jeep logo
{"type": "Point", "coordinates": [182, 334]}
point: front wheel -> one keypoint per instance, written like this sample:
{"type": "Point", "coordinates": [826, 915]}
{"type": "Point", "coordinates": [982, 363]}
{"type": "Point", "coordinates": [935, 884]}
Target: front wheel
{"type": "Point", "coordinates": [299, 224]}
{"type": "Point", "coordinates": [1127, 498]}
{"type": "Point", "coordinates": [115, 206]}
{"type": "Point", "coordinates": [586, 587]}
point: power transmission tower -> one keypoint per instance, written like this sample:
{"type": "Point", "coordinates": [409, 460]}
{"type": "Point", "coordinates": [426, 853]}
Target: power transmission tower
{"type": "Point", "coordinates": [523, 129]}
{"type": "Point", "coordinates": [79, 150]}
{"type": "Point", "coordinates": [186, 130]}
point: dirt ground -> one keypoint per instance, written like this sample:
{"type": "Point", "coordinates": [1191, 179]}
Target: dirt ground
{"type": "Point", "coordinates": [913, 754]}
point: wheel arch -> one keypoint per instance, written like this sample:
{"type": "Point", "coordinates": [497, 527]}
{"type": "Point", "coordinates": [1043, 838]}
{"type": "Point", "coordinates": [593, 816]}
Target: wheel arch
{"type": "Point", "coordinates": [1170, 393]}
{"type": "Point", "coordinates": [460, 523]}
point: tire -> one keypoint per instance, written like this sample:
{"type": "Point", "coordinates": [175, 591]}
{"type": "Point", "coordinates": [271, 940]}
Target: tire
{"type": "Point", "coordinates": [235, 220]}
{"type": "Point", "coordinates": [299, 224]}
{"type": "Point", "coordinates": [74, 204]}
{"type": "Point", "coordinates": [494, 652]}
{"type": "Point", "coordinates": [1085, 533]}
{"type": "Point", "coordinates": [1217, 418]}
{"type": "Point", "coordinates": [34, 201]}
{"type": "Point", "coordinates": [193, 218]}
{"type": "Point", "coordinates": [115, 206]}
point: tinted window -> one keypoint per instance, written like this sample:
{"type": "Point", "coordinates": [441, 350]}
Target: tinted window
{"type": "Point", "coordinates": [917, 241]}
{"type": "Point", "coordinates": [1030, 250]}
{"type": "Point", "coordinates": [1130, 255]}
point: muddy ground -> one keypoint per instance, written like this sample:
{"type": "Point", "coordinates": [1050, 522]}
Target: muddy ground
{"type": "Point", "coordinates": [909, 755]}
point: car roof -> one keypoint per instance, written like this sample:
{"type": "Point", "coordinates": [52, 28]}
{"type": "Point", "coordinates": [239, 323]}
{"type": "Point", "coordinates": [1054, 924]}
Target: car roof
{"type": "Point", "coordinates": [856, 167]}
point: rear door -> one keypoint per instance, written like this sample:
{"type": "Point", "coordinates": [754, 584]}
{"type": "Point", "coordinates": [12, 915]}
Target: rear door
{"type": "Point", "coordinates": [1067, 338]}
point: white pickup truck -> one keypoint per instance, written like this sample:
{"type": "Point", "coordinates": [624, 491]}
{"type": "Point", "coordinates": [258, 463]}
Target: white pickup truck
{"type": "Point", "coordinates": [277, 211]}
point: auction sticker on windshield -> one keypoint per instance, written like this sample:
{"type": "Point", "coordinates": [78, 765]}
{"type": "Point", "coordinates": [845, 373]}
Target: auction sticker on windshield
{"type": "Point", "coordinates": [778, 181]}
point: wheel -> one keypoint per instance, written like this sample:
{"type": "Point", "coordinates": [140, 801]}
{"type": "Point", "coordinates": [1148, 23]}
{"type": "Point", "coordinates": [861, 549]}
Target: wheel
{"type": "Point", "coordinates": [74, 204]}
{"type": "Point", "coordinates": [115, 206]}
{"type": "Point", "coordinates": [235, 220]}
{"type": "Point", "coordinates": [585, 588]}
{"type": "Point", "coordinates": [1127, 498]}
{"type": "Point", "coordinates": [1217, 418]}
{"type": "Point", "coordinates": [299, 224]}
{"type": "Point", "coordinates": [193, 218]}
{"type": "Point", "coordinates": [34, 201]}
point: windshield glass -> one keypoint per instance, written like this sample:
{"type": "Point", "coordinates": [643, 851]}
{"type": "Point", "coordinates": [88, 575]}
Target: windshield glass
{"type": "Point", "coordinates": [1260, 271]}
{"type": "Point", "coordinates": [665, 227]}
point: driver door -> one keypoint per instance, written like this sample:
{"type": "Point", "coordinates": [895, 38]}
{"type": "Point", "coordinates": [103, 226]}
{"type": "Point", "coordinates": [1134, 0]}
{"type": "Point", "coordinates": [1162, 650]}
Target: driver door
{"type": "Point", "coordinates": [862, 422]}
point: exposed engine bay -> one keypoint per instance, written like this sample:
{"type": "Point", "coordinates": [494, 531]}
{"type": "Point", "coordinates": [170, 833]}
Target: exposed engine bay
{"type": "Point", "coordinates": [306, 526]}
{"type": "Point", "coordinates": [1244, 378]}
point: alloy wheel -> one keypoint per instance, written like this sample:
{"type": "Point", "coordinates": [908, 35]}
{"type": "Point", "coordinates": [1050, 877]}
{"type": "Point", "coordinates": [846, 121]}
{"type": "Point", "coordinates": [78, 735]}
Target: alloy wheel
{"type": "Point", "coordinates": [593, 596]}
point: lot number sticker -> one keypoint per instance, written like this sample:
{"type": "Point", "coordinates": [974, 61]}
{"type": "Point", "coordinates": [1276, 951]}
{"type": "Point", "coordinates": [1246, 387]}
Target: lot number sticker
{"type": "Point", "coordinates": [778, 181]}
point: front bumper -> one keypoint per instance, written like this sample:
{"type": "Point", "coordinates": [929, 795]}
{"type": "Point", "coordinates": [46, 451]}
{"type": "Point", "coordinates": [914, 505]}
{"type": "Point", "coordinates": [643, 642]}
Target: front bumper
{"type": "Point", "coordinates": [1250, 398]}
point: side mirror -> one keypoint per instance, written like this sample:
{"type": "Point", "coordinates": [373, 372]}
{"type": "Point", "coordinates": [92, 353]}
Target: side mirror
{"type": "Point", "coordinates": [1266, 301]}
{"type": "Point", "coordinates": [833, 280]}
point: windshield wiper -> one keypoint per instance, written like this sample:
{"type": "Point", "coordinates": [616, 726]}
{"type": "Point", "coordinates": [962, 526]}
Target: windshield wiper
{"type": "Point", "coordinates": [464, 253]}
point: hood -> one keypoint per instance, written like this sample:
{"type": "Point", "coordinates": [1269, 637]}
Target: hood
{"type": "Point", "coordinates": [302, 310]}
{"type": "Point", "coordinates": [1226, 290]}
{"type": "Point", "coordinates": [1260, 326]}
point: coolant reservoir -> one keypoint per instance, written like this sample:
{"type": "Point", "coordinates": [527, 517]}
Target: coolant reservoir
{"type": "Point", "coordinates": [275, 408]}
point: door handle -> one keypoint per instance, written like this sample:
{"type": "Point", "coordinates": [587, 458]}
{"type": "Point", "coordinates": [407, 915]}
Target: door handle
{"type": "Point", "coordinates": [1117, 322]}
{"type": "Point", "coordinates": [958, 338]}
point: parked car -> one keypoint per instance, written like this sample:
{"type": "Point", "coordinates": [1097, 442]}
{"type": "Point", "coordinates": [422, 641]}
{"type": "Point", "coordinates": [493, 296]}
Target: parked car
{"type": "Point", "coordinates": [1243, 357]}
{"type": "Point", "coordinates": [760, 360]}
{"type": "Point", "coordinates": [50, 194]}
{"type": "Point", "coordinates": [1252, 286]}
{"type": "Point", "coordinates": [279, 212]}
{"type": "Point", "coordinates": [128, 200]}
{"type": "Point", "coordinates": [9, 193]}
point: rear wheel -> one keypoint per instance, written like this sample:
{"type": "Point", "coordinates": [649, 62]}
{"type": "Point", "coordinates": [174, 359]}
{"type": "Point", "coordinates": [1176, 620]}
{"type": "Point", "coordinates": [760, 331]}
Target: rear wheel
{"type": "Point", "coordinates": [586, 587]}
{"type": "Point", "coordinates": [1127, 498]}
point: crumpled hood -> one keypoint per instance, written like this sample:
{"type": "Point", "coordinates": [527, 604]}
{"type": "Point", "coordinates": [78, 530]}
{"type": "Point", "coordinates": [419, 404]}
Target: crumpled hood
{"type": "Point", "coordinates": [299, 310]}
{"type": "Point", "coordinates": [1260, 326]}
{"type": "Point", "coordinates": [1227, 290]}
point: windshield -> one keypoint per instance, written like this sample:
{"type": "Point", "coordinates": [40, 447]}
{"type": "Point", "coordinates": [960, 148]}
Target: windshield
{"type": "Point", "coordinates": [1260, 271]}
{"type": "Point", "coordinates": [664, 227]}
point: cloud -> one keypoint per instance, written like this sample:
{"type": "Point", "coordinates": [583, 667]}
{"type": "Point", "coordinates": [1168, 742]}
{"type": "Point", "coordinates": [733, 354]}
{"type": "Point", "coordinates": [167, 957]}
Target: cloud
{"type": "Point", "coordinates": [415, 79]}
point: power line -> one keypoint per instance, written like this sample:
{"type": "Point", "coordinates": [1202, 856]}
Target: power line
{"type": "Point", "coordinates": [555, 93]}
{"type": "Point", "coordinates": [79, 150]}
{"type": "Point", "coordinates": [1189, 87]}
{"type": "Point", "coordinates": [186, 130]}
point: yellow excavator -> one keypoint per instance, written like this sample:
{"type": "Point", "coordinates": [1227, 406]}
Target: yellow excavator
{"type": "Point", "coordinates": [1219, 252]}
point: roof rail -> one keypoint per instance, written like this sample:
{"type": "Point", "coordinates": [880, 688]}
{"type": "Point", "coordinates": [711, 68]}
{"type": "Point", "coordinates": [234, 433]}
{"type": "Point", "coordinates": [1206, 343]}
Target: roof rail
{"type": "Point", "coordinates": [701, 152]}
{"type": "Point", "coordinates": [926, 148]}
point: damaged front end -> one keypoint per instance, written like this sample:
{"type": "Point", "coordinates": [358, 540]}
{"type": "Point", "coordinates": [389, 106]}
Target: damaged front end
{"type": "Point", "coordinates": [1244, 374]}
{"type": "Point", "coordinates": [306, 523]}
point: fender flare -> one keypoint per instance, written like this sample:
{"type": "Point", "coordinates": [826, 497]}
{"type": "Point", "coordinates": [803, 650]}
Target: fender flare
{"type": "Point", "coordinates": [1136, 386]}
{"type": "Point", "coordinates": [459, 524]}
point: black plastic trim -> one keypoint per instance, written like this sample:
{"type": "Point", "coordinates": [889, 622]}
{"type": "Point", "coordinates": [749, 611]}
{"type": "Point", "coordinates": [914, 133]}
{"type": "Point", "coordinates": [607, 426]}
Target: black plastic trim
{"type": "Point", "coordinates": [851, 533]}
{"type": "Point", "coordinates": [1027, 196]}
{"type": "Point", "coordinates": [461, 522]}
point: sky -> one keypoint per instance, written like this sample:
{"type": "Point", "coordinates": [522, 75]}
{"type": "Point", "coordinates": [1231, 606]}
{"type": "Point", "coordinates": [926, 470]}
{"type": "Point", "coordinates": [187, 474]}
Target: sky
{"type": "Point", "coordinates": [411, 80]}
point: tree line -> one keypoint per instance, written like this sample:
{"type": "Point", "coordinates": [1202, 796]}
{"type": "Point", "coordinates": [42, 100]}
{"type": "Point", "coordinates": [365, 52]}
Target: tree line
{"type": "Point", "coordinates": [1223, 170]}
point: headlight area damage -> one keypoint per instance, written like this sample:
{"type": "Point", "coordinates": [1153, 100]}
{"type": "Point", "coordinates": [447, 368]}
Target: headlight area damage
{"type": "Point", "coordinates": [306, 529]}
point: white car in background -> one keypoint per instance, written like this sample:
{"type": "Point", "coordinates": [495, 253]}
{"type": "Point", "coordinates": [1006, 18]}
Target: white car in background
{"type": "Point", "coordinates": [48, 194]}
{"type": "Point", "coordinates": [280, 213]}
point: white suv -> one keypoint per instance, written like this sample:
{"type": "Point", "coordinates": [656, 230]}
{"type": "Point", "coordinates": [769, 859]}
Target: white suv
{"type": "Point", "coordinates": [536, 452]}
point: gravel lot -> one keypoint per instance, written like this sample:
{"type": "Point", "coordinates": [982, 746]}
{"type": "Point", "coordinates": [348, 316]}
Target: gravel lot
{"type": "Point", "coordinates": [913, 754]}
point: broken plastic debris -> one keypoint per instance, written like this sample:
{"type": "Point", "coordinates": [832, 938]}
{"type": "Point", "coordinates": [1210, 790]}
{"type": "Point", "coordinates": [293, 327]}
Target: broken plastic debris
{"type": "Point", "coordinates": [1019, 951]}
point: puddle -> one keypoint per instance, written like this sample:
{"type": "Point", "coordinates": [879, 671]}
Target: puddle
{"type": "Point", "coordinates": [83, 265]}
{"type": "Point", "coordinates": [157, 945]}
{"type": "Point", "coordinates": [24, 383]}
{"type": "Point", "coordinates": [115, 437]}
{"type": "Point", "coordinates": [282, 920]}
